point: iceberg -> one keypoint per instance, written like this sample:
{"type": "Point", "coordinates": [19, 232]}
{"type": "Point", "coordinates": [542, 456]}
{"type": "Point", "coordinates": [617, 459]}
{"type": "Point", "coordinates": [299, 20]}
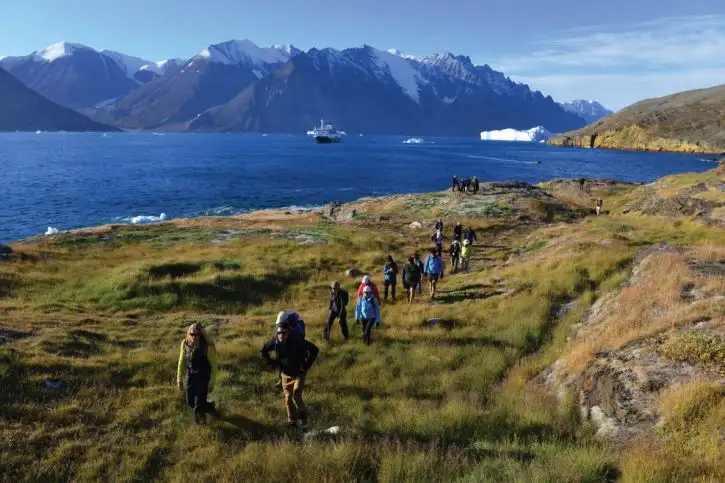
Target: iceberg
{"type": "Point", "coordinates": [533, 135]}
{"type": "Point", "coordinates": [414, 141]}
{"type": "Point", "coordinates": [141, 219]}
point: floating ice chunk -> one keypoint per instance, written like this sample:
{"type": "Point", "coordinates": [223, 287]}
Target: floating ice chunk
{"type": "Point", "coordinates": [51, 231]}
{"type": "Point", "coordinates": [414, 141]}
{"type": "Point", "coordinates": [137, 220]}
{"type": "Point", "coordinates": [535, 134]}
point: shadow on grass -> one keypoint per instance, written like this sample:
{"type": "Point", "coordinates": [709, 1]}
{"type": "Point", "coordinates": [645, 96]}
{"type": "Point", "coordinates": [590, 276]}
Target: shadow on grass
{"type": "Point", "coordinates": [174, 270]}
{"type": "Point", "coordinates": [232, 427]}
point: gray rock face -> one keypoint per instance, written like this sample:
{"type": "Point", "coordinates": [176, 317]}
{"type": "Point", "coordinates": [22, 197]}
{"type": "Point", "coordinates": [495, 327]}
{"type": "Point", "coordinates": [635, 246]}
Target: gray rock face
{"type": "Point", "coordinates": [353, 272]}
{"type": "Point", "coordinates": [338, 212]}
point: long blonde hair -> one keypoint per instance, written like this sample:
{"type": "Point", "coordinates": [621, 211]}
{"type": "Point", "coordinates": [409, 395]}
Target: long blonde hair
{"type": "Point", "coordinates": [204, 335]}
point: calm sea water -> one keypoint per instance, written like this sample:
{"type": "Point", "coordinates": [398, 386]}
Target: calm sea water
{"type": "Point", "coordinates": [70, 181]}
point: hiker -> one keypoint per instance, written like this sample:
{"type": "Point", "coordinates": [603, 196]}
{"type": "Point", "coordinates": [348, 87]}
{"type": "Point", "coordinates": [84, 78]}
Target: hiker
{"type": "Point", "coordinates": [419, 263]}
{"type": "Point", "coordinates": [294, 357]}
{"type": "Point", "coordinates": [338, 309]}
{"type": "Point", "coordinates": [458, 231]}
{"type": "Point", "coordinates": [470, 235]}
{"type": "Point", "coordinates": [598, 205]}
{"type": "Point", "coordinates": [412, 274]}
{"type": "Point", "coordinates": [455, 252]}
{"type": "Point", "coordinates": [455, 183]}
{"type": "Point", "coordinates": [365, 283]}
{"type": "Point", "coordinates": [367, 311]}
{"type": "Point", "coordinates": [439, 225]}
{"type": "Point", "coordinates": [294, 320]}
{"type": "Point", "coordinates": [434, 270]}
{"type": "Point", "coordinates": [474, 185]}
{"type": "Point", "coordinates": [581, 184]}
{"type": "Point", "coordinates": [196, 370]}
{"type": "Point", "coordinates": [438, 239]}
{"type": "Point", "coordinates": [391, 276]}
{"type": "Point", "coordinates": [465, 255]}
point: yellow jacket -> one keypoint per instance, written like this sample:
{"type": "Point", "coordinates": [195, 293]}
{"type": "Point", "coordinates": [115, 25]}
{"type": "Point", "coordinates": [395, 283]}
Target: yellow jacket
{"type": "Point", "coordinates": [466, 251]}
{"type": "Point", "coordinates": [181, 368]}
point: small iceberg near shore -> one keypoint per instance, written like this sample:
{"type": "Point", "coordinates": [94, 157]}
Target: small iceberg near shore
{"type": "Point", "coordinates": [414, 141]}
{"type": "Point", "coordinates": [141, 219]}
{"type": "Point", "coordinates": [51, 231]}
{"type": "Point", "coordinates": [535, 134]}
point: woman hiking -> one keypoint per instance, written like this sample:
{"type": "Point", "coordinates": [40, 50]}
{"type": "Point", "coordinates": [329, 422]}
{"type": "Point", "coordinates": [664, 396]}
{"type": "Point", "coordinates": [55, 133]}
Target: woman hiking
{"type": "Point", "coordinates": [366, 282]}
{"type": "Point", "coordinates": [196, 371]}
{"type": "Point", "coordinates": [434, 270]}
{"type": "Point", "coordinates": [465, 255]}
{"type": "Point", "coordinates": [367, 311]}
{"type": "Point", "coordinates": [390, 270]}
{"type": "Point", "coordinates": [412, 274]}
{"type": "Point", "coordinates": [295, 356]}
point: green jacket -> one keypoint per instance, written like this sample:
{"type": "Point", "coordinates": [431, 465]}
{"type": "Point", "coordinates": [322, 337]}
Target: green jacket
{"type": "Point", "coordinates": [211, 355]}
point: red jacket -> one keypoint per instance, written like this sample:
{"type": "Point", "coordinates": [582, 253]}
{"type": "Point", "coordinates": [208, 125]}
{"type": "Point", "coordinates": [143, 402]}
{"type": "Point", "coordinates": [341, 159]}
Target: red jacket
{"type": "Point", "coordinates": [375, 292]}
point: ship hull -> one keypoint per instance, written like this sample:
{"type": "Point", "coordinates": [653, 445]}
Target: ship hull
{"type": "Point", "coordinates": [327, 139]}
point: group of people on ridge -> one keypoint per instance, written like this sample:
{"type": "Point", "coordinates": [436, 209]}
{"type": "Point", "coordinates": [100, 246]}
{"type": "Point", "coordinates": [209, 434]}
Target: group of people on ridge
{"type": "Point", "coordinates": [294, 354]}
{"type": "Point", "coordinates": [465, 185]}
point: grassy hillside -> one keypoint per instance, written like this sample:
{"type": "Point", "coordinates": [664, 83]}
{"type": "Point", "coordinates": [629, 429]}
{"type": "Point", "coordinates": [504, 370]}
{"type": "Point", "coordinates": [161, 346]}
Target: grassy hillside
{"type": "Point", "coordinates": [690, 122]}
{"type": "Point", "coordinates": [103, 311]}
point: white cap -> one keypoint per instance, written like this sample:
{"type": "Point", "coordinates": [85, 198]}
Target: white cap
{"type": "Point", "coordinates": [466, 241]}
{"type": "Point", "coordinates": [366, 279]}
{"type": "Point", "coordinates": [367, 289]}
{"type": "Point", "coordinates": [280, 316]}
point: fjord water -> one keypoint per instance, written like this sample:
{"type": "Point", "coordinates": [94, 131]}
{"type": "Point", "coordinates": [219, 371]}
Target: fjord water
{"type": "Point", "coordinates": [70, 181]}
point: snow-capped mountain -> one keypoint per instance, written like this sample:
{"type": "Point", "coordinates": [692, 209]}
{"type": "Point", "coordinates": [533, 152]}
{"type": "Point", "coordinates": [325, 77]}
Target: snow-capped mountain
{"type": "Point", "coordinates": [370, 90]}
{"type": "Point", "coordinates": [211, 78]}
{"type": "Point", "coordinates": [590, 111]}
{"type": "Point", "coordinates": [78, 76]}
{"type": "Point", "coordinates": [22, 109]}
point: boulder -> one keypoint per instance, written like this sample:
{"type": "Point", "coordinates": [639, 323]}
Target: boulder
{"type": "Point", "coordinates": [416, 225]}
{"type": "Point", "coordinates": [353, 273]}
{"type": "Point", "coordinates": [338, 212]}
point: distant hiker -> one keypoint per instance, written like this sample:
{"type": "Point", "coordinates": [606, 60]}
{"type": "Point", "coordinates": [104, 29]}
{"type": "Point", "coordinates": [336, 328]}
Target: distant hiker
{"type": "Point", "coordinates": [197, 370]}
{"type": "Point", "coordinates": [338, 308]}
{"type": "Point", "coordinates": [419, 262]}
{"type": "Point", "coordinates": [474, 185]}
{"type": "Point", "coordinates": [390, 271]}
{"type": "Point", "coordinates": [598, 205]}
{"type": "Point", "coordinates": [367, 311]}
{"type": "Point", "coordinates": [412, 273]}
{"type": "Point", "coordinates": [454, 187]}
{"type": "Point", "coordinates": [465, 255]}
{"type": "Point", "coordinates": [458, 231]}
{"type": "Point", "coordinates": [581, 183]}
{"type": "Point", "coordinates": [438, 239]}
{"type": "Point", "coordinates": [294, 357]}
{"type": "Point", "coordinates": [365, 283]}
{"type": "Point", "coordinates": [455, 252]}
{"type": "Point", "coordinates": [439, 225]}
{"type": "Point", "coordinates": [434, 270]}
{"type": "Point", "coordinates": [470, 235]}
{"type": "Point", "coordinates": [293, 319]}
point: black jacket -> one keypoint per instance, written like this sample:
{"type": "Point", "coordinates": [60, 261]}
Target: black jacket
{"type": "Point", "coordinates": [458, 231]}
{"type": "Point", "coordinates": [294, 356]}
{"type": "Point", "coordinates": [470, 235]}
{"type": "Point", "coordinates": [338, 303]}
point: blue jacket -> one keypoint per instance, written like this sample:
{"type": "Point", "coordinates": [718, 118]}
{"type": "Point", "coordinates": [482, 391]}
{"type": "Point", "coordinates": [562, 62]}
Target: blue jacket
{"type": "Point", "coordinates": [367, 309]}
{"type": "Point", "coordinates": [433, 265]}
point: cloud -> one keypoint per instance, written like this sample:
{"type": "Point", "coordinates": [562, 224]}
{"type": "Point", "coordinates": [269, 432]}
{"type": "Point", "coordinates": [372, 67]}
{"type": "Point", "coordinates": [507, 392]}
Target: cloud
{"type": "Point", "coordinates": [619, 66]}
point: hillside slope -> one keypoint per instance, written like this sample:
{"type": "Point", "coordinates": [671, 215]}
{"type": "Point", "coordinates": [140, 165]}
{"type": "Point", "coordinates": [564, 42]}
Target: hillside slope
{"type": "Point", "coordinates": [690, 122]}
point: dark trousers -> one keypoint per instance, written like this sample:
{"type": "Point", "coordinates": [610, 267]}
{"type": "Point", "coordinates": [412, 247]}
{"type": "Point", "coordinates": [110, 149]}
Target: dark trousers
{"type": "Point", "coordinates": [343, 324]}
{"type": "Point", "coordinates": [391, 284]}
{"type": "Point", "coordinates": [197, 389]}
{"type": "Point", "coordinates": [439, 249]}
{"type": "Point", "coordinates": [368, 331]}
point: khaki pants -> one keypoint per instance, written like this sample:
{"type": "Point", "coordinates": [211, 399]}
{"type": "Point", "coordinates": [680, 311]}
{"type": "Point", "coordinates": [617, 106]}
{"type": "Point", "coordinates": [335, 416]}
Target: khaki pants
{"type": "Point", "coordinates": [292, 387]}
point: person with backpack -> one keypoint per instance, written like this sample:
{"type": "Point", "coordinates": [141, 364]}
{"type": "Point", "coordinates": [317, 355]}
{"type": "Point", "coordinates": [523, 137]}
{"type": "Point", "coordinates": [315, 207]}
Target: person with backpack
{"type": "Point", "coordinates": [338, 308]}
{"type": "Point", "coordinates": [439, 225]}
{"type": "Point", "coordinates": [294, 357]}
{"type": "Point", "coordinates": [390, 271]}
{"type": "Point", "coordinates": [437, 237]}
{"type": "Point", "coordinates": [470, 235]}
{"type": "Point", "coordinates": [434, 270]}
{"type": "Point", "coordinates": [367, 311]}
{"type": "Point", "coordinates": [458, 231]}
{"type": "Point", "coordinates": [419, 263]}
{"type": "Point", "coordinates": [455, 252]}
{"type": "Point", "coordinates": [411, 278]}
{"type": "Point", "coordinates": [366, 282]}
{"type": "Point", "coordinates": [465, 255]}
{"type": "Point", "coordinates": [598, 205]}
{"type": "Point", "coordinates": [196, 370]}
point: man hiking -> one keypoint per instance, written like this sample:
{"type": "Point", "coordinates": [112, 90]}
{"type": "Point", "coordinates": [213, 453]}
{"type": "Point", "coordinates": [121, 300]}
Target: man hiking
{"type": "Point", "coordinates": [338, 308]}
{"type": "Point", "coordinates": [196, 370]}
{"type": "Point", "coordinates": [412, 274]}
{"type": "Point", "coordinates": [390, 271]}
{"type": "Point", "coordinates": [419, 262]}
{"type": "Point", "coordinates": [455, 183]}
{"type": "Point", "coordinates": [294, 357]}
{"type": "Point", "coordinates": [367, 311]}
{"type": "Point", "coordinates": [455, 252]}
{"type": "Point", "coordinates": [598, 205]}
{"type": "Point", "coordinates": [434, 270]}
{"type": "Point", "coordinates": [470, 235]}
{"type": "Point", "coordinates": [458, 231]}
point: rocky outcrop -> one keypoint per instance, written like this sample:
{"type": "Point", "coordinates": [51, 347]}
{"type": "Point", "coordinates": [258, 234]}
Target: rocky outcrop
{"type": "Point", "coordinates": [688, 122]}
{"type": "Point", "coordinates": [338, 212]}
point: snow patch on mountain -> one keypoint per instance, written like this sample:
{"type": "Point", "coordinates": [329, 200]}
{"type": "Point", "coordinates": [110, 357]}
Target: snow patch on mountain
{"type": "Point", "coordinates": [533, 135]}
{"type": "Point", "coordinates": [58, 50]}
{"type": "Point", "coordinates": [590, 111]}
{"type": "Point", "coordinates": [130, 65]}
{"type": "Point", "coordinates": [401, 70]}
{"type": "Point", "coordinates": [246, 52]}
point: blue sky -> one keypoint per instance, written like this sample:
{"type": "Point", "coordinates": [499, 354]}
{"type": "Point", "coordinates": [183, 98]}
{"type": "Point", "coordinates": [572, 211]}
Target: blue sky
{"type": "Point", "coordinates": [616, 52]}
